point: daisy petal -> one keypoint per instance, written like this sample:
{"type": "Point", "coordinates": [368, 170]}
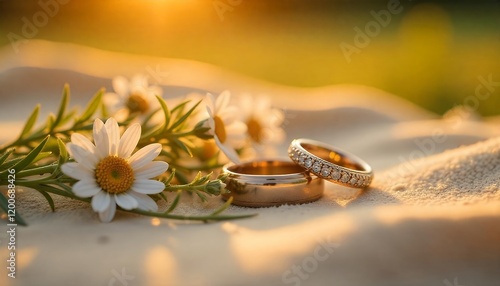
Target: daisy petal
{"type": "Point", "coordinates": [126, 202]}
{"type": "Point", "coordinates": [145, 155]}
{"type": "Point", "coordinates": [151, 170]}
{"type": "Point", "coordinates": [222, 101]}
{"type": "Point", "coordinates": [129, 140]}
{"type": "Point", "coordinates": [120, 85]}
{"type": "Point", "coordinates": [82, 156]}
{"type": "Point", "coordinates": [109, 213]}
{"type": "Point", "coordinates": [148, 187]}
{"type": "Point", "coordinates": [98, 125]}
{"type": "Point", "coordinates": [229, 152]}
{"type": "Point", "coordinates": [86, 189]}
{"type": "Point", "coordinates": [79, 139]}
{"type": "Point", "coordinates": [111, 100]}
{"type": "Point", "coordinates": [145, 202]}
{"type": "Point", "coordinates": [155, 90]}
{"type": "Point", "coordinates": [113, 132]}
{"type": "Point", "coordinates": [210, 104]}
{"type": "Point", "coordinates": [139, 80]}
{"type": "Point", "coordinates": [101, 140]}
{"type": "Point", "coordinates": [101, 201]}
{"type": "Point", "coordinates": [76, 171]}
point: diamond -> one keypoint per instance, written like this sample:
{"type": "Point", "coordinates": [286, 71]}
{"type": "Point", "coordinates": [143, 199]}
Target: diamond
{"type": "Point", "coordinates": [335, 174]}
{"type": "Point", "coordinates": [353, 180]}
{"type": "Point", "coordinates": [301, 159]}
{"type": "Point", "coordinates": [325, 171]}
{"type": "Point", "coordinates": [345, 177]}
{"type": "Point", "coordinates": [295, 155]}
{"type": "Point", "coordinates": [317, 167]}
{"type": "Point", "coordinates": [308, 162]}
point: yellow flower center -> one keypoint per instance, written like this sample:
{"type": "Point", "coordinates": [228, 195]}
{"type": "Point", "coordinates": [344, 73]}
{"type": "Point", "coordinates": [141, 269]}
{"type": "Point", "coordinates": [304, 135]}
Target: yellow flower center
{"type": "Point", "coordinates": [254, 130]}
{"type": "Point", "coordinates": [209, 149]}
{"type": "Point", "coordinates": [114, 175]}
{"type": "Point", "coordinates": [220, 129]}
{"type": "Point", "coordinates": [137, 103]}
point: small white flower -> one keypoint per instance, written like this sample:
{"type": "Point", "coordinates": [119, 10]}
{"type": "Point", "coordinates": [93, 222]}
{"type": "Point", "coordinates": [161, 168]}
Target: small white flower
{"type": "Point", "coordinates": [132, 97]}
{"type": "Point", "coordinates": [110, 174]}
{"type": "Point", "coordinates": [228, 131]}
{"type": "Point", "coordinates": [263, 121]}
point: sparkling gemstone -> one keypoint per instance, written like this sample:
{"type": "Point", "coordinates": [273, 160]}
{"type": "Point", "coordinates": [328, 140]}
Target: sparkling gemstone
{"type": "Point", "coordinates": [345, 177]}
{"type": "Point", "coordinates": [317, 167]}
{"type": "Point", "coordinates": [353, 180]}
{"type": "Point", "coordinates": [325, 171]}
{"type": "Point", "coordinates": [308, 163]}
{"type": "Point", "coordinates": [301, 159]}
{"type": "Point", "coordinates": [361, 180]}
{"type": "Point", "coordinates": [295, 155]}
{"type": "Point", "coordinates": [335, 174]}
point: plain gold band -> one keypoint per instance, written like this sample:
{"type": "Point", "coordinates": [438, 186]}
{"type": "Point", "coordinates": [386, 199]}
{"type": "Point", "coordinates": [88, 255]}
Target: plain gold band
{"type": "Point", "coordinates": [331, 163]}
{"type": "Point", "coordinates": [271, 183]}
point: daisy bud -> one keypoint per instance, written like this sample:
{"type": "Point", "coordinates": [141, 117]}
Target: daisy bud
{"type": "Point", "coordinates": [215, 187]}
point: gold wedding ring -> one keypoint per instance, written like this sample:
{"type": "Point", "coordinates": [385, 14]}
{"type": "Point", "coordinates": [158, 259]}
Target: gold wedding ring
{"type": "Point", "coordinates": [271, 183]}
{"type": "Point", "coordinates": [330, 163]}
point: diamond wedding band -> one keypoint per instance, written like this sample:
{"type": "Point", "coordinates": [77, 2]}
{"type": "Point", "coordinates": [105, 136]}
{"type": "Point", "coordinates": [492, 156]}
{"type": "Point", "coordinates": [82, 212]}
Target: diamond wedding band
{"type": "Point", "coordinates": [330, 163]}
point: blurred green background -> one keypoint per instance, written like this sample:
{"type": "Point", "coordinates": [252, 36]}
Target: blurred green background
{"type": "Point", "coordinates": [430, 52]}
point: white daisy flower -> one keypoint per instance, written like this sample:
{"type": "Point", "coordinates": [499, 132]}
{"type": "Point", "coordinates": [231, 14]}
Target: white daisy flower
{"type": "Point", "coordinates": [228, 131]}
{"type": "Point", "coordinates": [110, 174]}
{"type": "Point", "coordinates": [263, 122]}
{"type": "Point", "coordinates": [132, 97]}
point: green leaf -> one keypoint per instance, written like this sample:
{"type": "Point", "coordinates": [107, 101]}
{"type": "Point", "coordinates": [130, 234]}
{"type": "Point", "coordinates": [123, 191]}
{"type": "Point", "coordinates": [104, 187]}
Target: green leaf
{"type": "Point", "coordinates": [91, 107]}
{"type": "Point", "coordinates": [200, 180]}
{"type": "Point", "coordinates": [6, 155]}
{"type": "Point", "coordinates": [30, 122]}
{"type": "Point", "coordinates": [69, 115]}
{"type": "Point", "coordinates": [202, 196]}
{"type": "Point", "coordinates": [162, 195]}
{"type": "Point", "coordinates": [49, 200]}
{"type": "Point", "coordinates": [197, 177]}
{"type": "Point", "coordinates": [50, 121]}
{"type": "Point", "coordinates": [63, 156]}
{"type": "Point", "coordinates": [180, 107]}
{"type": "Point", "coordinates": [181, 178]}
{"type": "Point", "coordinates": [63, 153]}
{"type": "Point", "coordinates": [182, 145]}
{"type": "Point", "coordinates": [166, 112]}
{"type": "Point", "coordinates": [149, 117]}
{"type": "Point", "coordinates": [4, 205]}
{"type": "Point", "coordinates": [184, 117]}
{"type": "Point", "coordinates": [26, 161]}
{"type": "Point", "coordinates": [9, 164]}
{"type": "Point", "coordinates": [223, 207]}
{"type": "Point", "coordinates": [62, 107]}
{"type": "Point", "coordinates": [169, 179]}
{"type": "Point", "coordinates": [174, 203]}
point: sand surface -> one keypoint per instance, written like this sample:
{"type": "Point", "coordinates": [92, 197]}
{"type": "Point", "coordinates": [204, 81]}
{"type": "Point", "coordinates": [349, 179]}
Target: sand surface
{"type": "Point", "coordinates": [431, 217]}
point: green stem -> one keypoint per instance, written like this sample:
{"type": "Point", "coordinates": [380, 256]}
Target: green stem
{"type": "Point", "coordinates": [206, 218]}
{"type": "Point", "coordinates": [187, 187]}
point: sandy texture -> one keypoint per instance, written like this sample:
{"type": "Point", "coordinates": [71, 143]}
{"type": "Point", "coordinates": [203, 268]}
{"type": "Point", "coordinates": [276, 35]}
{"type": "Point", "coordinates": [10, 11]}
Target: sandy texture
{"type": "Point", "coordinates": [431, 217]}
